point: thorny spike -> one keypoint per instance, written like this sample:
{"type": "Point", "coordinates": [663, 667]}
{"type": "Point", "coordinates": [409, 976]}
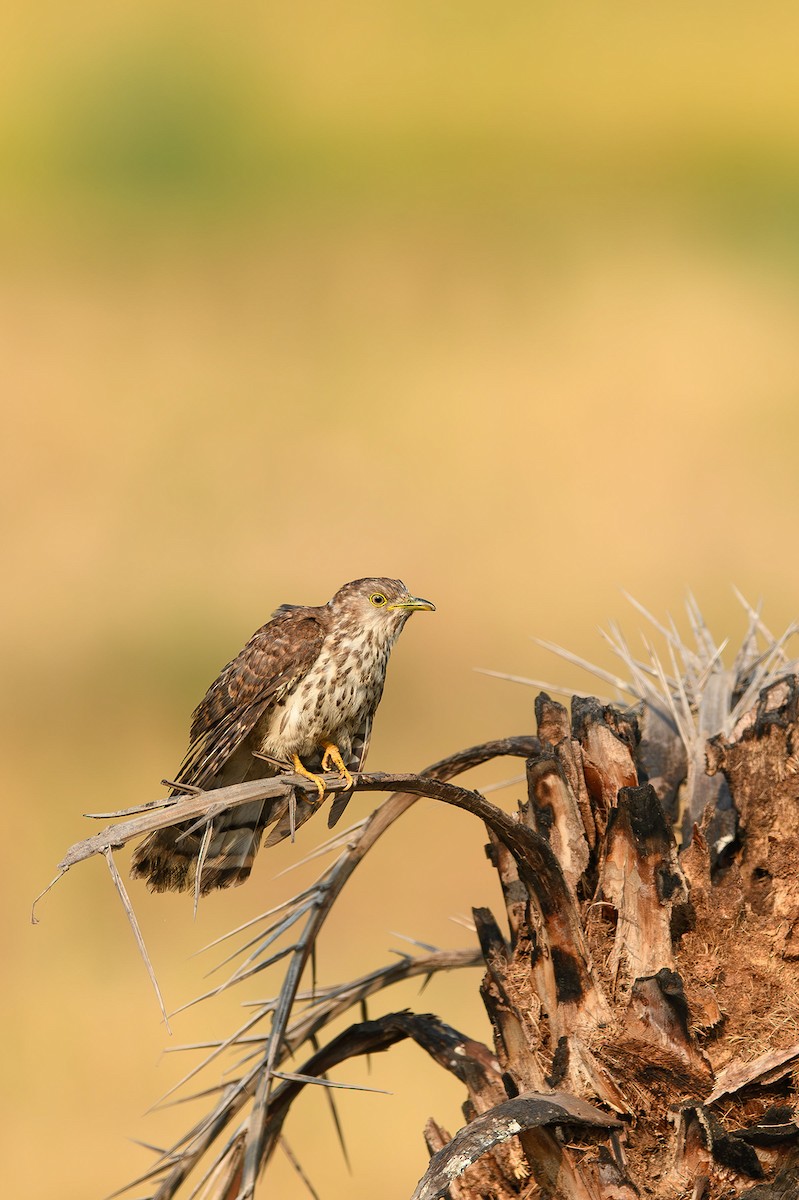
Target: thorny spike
{"type": "Point", "coordinates": [414, 942]}
{"type": "Point", "coordinates": [248, 1024]}
{"type": "Point", "coordinates": [641, 687]}
{"type": "Point", "coordinates": [296, 1077]}
{"type": "Point", "coordinates": [504, 783]}
{"type": "Point", "coordinates": [669, 698]}
{"type": "Point", "coordinates": [688, 714]}
{"type": "Point", "coordinates": [557, 688]}
{"type": "Point", "coordinates": [269, 936]}
{"type": "Point", "coordinates": [703, 634]}
{"type": "Point", "coordinates": [334, 1113]}
{"type": "Point", "coordinates": [235, 978]}
{"type": "Point", "coordinates": [365, 1017]}
{"type": "Point", "coordinates": [647, 614]}
{"type": "Point", "coordinates": [289, 1153]}
{"type": "Point", "coordinates": [201, 857]}
{"type": "Point", "coordinates": [339, 839]}
{"type": "Point", "coordinates": [217, 1162]}
{"type": "Point", "coordinates": [134, 924]}
{"type": "Point", "coordinates": [711, 666]}
{"type": "Point", "coordinates": [425, 982]}
{"type": "Point", "coordinates": [292, 903]}
{"type": "Point", "coordinates": [577, 661]}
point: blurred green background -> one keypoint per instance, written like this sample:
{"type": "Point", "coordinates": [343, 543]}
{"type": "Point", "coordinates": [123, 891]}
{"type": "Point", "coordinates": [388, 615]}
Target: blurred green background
{"type": "Point", "coordinates": [502, 301]}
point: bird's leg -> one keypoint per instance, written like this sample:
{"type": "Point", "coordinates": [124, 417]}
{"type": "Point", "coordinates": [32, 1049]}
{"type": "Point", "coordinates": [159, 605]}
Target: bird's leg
{"type": "Point", "coordinates": [332, 758]}
{"type": "Point", "coordinates": [301, 770]}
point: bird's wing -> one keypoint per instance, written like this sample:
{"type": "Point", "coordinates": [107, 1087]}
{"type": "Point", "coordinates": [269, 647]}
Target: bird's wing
{"type": "Point", "coordinates": [360, 744]}
{"type": "Point", "coordinates": [276, 657]}
{"type": "Point", "coordinates": [360, 748]}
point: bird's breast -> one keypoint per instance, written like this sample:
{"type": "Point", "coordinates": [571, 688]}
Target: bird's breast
{"type": "Point", "coordinates": [330, 702]}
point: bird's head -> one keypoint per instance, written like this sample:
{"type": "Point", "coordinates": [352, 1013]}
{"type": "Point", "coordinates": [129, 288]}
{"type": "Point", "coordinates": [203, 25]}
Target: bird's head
{"type": "Point", "coordinates": [379, 604]}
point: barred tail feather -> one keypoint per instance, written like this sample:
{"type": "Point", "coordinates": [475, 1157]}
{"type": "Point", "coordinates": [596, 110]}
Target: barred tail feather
{"type": "Point", "coordinates": [168, 858]}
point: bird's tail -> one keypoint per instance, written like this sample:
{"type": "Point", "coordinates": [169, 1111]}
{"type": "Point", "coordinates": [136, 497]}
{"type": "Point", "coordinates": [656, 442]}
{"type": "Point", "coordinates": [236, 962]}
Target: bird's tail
{"type": "Point", "coordinates": [169, 858]}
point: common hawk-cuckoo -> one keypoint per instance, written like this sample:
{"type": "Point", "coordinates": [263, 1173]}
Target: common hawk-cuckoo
{"type": "Point", "coordinates": [300, 696]}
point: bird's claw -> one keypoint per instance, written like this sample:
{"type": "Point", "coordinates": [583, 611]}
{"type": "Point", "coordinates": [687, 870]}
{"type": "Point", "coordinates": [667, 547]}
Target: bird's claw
{"type": "Point", "coordinates": [315, 779]}
{"type": "Point", "coordinates": [332, 758]}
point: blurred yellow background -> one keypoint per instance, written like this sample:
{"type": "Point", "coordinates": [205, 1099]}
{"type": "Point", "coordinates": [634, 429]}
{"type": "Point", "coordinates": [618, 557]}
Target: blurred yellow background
{"type": "Point", "coordinates": [502, 301]}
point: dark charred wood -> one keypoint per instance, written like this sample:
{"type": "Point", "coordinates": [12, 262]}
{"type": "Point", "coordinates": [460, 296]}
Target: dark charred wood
{"type": "Point", "coordinates": [560, 1063]}
{"type": "Point", "coordinates": [777, 1125]}
{"type": "Point", "coordinates": [784, 1187]}
{"type": "Point", "coordinates": [552, 720]}
{"type": "Point", "coordinates": [492, 943]}
{"type": "Point", "coordinates": [608, 740]}
{"type": "Point", "coordinates": [552, 810]}
{"type": "Point", "coordinates": [725, 1149]}
{"type": "Point", "coordinates": [642, 878]}
{"type": "Point", "coordinates": [509, 1004]}
{"type": "Point", "coordinates": [514, 891]}
{"type": "Point", "coordinates": [661, 757]}
{"type": "Point", "coordinates": [656, 1031]}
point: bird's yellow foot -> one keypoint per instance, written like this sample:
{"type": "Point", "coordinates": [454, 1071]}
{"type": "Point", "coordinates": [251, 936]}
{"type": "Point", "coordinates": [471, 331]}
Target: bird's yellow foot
{"type": "Point", "coordinates": [332, 758]}
{"type": "Point", "coordinates": [317, 779]}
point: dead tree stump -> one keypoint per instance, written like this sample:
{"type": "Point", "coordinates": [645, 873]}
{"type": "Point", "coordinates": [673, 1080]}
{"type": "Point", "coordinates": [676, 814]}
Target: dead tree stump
{"type": "Point", "coordinates": [651, 984]}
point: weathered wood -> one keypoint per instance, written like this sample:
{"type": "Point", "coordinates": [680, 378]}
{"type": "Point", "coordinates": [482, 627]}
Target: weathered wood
{"type": "Point", "coordinates": [554, 732]}
{"type": "Point", "coordinates": [516, 898]}
{"type": "Point", "coordinates": [511, 1006]}
{"type": "Point", "coordinates": [641, 877]}
{"type": "Point", "coordinates": [656, 1037]}
{"type": "Point", "coordinates": [677, 938]}
{"type": "Point", "coordinates": [552, 810]}
{"type": "Point", "coordinates": [766, 1068]}
{"type": "Point", "coordinates": [513, 1118]}
{"type": "Point", "coordinates": [760, 764]}
{"type": "Point", "coordinates": [608, 739]}
{"type": "Point", "coordinates": [481, 1178]}
{"type": "Point", "coordinates": [562, 963]}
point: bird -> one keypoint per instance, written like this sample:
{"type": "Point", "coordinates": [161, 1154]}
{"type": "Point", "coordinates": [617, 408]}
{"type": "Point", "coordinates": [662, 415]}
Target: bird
{"type": "Point", "coordinates": [300, 696]}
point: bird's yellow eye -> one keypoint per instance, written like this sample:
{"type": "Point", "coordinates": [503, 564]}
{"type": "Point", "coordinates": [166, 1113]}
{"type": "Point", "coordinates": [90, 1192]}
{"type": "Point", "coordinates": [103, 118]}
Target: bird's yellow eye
{"type": "Point", "coordinates": [378, 599]}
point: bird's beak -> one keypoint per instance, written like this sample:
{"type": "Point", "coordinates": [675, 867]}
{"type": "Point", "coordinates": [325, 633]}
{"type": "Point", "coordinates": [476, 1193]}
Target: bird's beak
{"type": "Point", "coordinates": [414, 604]}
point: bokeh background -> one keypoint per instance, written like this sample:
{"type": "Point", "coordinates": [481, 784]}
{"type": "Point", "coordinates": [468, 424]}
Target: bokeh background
{"type": "Point", "coordinates": [502, 300]}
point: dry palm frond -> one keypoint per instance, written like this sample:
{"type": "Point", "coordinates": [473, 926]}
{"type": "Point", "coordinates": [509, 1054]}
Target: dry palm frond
{"type": "Point", "coordinates": [680, 708]}
{"type": "Point", "coordinates": [257, 1081]}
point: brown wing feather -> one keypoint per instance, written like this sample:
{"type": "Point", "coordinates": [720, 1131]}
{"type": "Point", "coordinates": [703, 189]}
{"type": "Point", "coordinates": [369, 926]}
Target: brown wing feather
{"type": "Point", "coordinates": [274, 660]}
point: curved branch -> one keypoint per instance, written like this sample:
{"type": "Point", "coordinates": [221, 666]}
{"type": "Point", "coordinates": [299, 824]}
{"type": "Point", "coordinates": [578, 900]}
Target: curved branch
{"type": "Point", "coordinates": [326, 1004]}
{"type": "Point", "coordinates": [199, 806]}
{"type": "Point", "coordinates": [457, 1053]}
